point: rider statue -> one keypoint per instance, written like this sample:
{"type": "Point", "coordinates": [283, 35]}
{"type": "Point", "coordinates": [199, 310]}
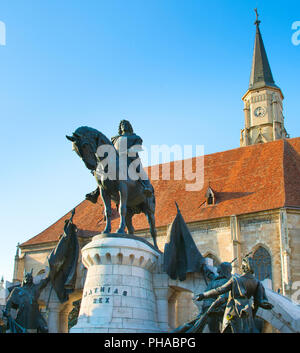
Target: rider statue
{"type": "Point", "coordinates": [24, 298]}
{"type": "Point", "coordinates": [129, 144]}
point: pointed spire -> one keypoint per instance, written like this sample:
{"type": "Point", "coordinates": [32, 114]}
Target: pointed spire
{"type": "Point", "coordinates": [17, 251]}
{"type": "Point", "coordinates": [261, 74]}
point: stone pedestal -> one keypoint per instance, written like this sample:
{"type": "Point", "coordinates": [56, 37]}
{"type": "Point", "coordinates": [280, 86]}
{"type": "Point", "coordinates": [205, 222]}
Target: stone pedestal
{"type": "Point", "coordinates": [118, 293]}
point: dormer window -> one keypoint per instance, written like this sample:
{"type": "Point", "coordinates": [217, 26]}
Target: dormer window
{"type": "Point", "coordinates": [210, 197]}
{"type": "Point", "coordinates": [210, 200]}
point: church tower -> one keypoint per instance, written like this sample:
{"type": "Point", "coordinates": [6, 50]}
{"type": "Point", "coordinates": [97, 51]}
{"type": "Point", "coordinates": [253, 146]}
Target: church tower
{"type": "Point", "coordinates": [264, 121]}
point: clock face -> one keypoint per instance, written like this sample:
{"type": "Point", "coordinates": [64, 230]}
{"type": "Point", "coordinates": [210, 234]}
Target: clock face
{"type": "Point", "coordinates": [260, 112]}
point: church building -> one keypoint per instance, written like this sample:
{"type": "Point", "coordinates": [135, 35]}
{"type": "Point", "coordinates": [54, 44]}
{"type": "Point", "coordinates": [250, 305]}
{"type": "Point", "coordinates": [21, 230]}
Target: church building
{"type": "Point", "coordinates": [250, 201]}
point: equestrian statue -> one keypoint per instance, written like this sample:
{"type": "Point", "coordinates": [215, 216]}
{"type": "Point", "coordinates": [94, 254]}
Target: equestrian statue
{"type": "Point", "coordinates": [120, 176]}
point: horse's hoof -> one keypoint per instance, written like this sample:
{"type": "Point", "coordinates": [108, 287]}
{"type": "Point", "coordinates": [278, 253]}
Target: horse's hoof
{"type": "Point", "coordinates": [121, 231]}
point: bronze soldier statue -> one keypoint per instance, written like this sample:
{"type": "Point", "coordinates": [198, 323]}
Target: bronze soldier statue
{"type": "Point", "coordinates": [215, 316]}
{"type": "Point", "coordinates": [211, 313]}
{"type": "Point", "coordinates": [129, 144]}
{"type": "Point", "coordinates": [240, 311]}
{"type": "Point", "coordinates": [24, 298]}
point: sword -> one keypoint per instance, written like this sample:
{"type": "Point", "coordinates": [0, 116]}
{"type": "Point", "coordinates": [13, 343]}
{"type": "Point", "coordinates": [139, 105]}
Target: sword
{"type": "Point", "coordinates": [244, 257]}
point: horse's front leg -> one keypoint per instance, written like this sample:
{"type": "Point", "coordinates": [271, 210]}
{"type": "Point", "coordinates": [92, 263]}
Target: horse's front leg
{"type": "Point", "coordinates": [130, 229]}
{"type": "Point", "coordinates": [123, 193]}
{"type": "Point", "coordinates": [151, 220]}
{"type": "Point", "coordinates": [107, 210]}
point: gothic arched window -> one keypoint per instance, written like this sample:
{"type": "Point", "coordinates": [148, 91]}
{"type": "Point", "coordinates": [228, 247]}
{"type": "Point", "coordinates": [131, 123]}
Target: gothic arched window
{"type": "Point", "coordinates": [262, 264]}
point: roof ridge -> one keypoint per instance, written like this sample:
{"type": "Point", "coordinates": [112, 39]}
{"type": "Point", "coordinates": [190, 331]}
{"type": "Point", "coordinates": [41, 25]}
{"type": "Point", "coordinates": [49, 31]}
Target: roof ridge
{"type": "Point", "coordinates": [259, 145]}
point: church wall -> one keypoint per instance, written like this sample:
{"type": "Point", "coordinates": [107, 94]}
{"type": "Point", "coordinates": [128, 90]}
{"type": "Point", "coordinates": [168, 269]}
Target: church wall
{"type": "Point", "coordinates": [36, 260]}
{"type": "Point", "coordinates": [213, 238]}
{"type": "Point", "coordinates": [293, 220]}
{"type": "Point", "coordinates": [185, 308]}
{"type": "Point", "coordinates": [19, 268]}
{"type": "Point", "coordinates": [263, 230]}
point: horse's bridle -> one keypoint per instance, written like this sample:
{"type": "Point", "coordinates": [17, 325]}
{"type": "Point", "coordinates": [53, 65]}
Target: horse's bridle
{"type": "Point", "coordinates": [78, 147]}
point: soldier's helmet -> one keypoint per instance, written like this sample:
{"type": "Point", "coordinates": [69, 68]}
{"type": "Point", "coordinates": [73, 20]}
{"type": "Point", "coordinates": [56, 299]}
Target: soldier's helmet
{"type": "Point", "coordinates": [28, 277]}
{"type": "Point", "coordinates": [248, 264]}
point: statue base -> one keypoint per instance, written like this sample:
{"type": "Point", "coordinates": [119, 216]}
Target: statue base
{"type": "Point", "coordinates": [118, 294]}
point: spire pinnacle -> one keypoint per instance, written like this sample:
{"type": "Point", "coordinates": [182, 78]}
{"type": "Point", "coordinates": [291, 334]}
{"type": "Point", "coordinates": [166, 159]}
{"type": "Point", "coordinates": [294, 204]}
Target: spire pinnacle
{"type": "Point", "coordinates": [257, 22]}
{"type": "Point", "coordinates": [261, 74]}
{"type": "Point", "coordinates": [17, 251]}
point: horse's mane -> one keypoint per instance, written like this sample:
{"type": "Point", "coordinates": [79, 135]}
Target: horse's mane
{"type": "Point", "coordinates": [89, 132]}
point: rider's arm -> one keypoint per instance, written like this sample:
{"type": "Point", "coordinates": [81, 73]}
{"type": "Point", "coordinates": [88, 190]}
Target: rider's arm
{"type": "Point", "coordinates": [220, 290]}
{"type": "Point", "coordinates": [213, 293]}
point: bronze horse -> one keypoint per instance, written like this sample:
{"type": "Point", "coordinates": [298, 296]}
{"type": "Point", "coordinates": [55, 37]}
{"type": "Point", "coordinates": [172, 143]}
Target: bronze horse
{"type": "Point", "coordinates": [127, 194]}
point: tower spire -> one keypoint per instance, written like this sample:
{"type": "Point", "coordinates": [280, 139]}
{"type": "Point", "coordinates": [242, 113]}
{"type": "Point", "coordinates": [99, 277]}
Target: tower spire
{"type": "Point", "coordinates": [261, 74]}
{"type": "Point", "coordinates": [263, 106]}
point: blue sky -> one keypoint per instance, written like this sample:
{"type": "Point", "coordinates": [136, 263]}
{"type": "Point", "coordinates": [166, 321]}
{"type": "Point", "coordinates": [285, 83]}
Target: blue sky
{"type": "Point", "coordinates": [177, 69]}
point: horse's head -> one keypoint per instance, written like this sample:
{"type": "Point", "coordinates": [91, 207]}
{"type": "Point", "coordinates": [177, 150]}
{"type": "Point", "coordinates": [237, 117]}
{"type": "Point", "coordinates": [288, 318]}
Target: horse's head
{"type": "Point", "coordinates": [85, 145]}
{"type": "Point", "coordinates": [85, 141]}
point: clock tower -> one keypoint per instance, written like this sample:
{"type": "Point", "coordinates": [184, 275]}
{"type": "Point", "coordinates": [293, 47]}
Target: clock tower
{"type": "Point", "coordinates": [264, 121]}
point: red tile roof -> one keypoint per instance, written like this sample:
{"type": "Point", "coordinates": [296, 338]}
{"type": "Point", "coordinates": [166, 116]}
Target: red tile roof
{"type": "Point", "coordinates": [291, 169]}
{"type": "Point", "coordinates": [245, 180]}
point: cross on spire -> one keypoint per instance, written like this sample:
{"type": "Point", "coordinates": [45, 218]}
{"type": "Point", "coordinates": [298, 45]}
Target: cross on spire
{"type": "Point", "coordinates": [257, 22]}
